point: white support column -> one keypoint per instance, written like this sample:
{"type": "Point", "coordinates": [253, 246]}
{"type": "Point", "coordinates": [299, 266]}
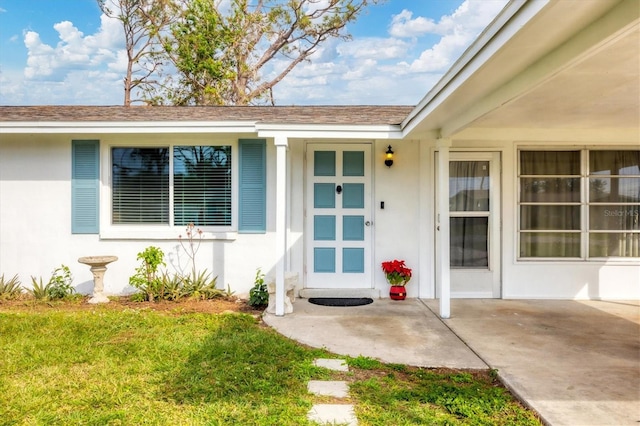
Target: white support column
{"type": "Point", "coordinates": [282, 145]}
{"type": "Point", "coordinates": [442, 228]}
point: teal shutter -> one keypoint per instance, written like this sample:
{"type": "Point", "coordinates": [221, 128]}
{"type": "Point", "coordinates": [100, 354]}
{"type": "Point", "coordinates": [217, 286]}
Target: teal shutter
{"type": "Point", "coordinates": [85, 158]}
{"type": "Point", "coordinates": [253, 184]}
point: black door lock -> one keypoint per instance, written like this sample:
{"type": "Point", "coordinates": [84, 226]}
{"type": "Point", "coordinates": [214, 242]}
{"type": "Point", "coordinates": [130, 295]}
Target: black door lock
{"type": "Point", "coordinates": [338, 189]}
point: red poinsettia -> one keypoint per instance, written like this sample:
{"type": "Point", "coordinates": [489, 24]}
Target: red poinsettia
{"type": "Point", "coordinates": [396, 272]}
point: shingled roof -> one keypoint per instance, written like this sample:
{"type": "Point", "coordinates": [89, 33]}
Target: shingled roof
{"type": "Point", "coordinates": [339, 115]}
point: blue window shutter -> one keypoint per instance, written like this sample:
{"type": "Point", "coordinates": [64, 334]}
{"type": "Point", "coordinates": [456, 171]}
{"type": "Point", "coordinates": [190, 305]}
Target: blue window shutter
{"type": "Point", "coordinates": [85, 191]}
{"type": "Point", "coordinates": [253, 184]}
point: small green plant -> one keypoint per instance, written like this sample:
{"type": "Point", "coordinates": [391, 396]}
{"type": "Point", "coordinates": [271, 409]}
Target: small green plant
{"type": "Point", "coordinates": [59, 286]}
{"type": "Point", "coordinates": [147, 278]}
{"type": "Point", "coordinates": [259, 295]}
{"type": "Point", "coordinates": [10, 289]}
{"type": "Point", "coordinates": [39, 290]}
{"type": "Point", "coordinates": [201, 286]}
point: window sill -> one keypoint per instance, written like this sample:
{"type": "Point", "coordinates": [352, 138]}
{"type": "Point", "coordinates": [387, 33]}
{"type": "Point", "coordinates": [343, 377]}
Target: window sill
{"type": "Point", "coordinates": [162, 234]}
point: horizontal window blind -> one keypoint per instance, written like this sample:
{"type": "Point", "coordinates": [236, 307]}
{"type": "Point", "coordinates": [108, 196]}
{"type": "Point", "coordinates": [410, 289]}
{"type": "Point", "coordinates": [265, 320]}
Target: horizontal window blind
{"type": "Point", "coordinates": [140, 186]}
{"type": "Point", "coordinates": [202, 185]}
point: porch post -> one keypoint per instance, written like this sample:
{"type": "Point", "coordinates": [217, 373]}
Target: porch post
{"type": "Point", "coordinates": [282, 146]}
{"type": "Point", "coordinates": [442, 227]}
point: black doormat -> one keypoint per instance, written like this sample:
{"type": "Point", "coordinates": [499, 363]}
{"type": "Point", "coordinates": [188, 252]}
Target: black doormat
{"type": "Point", "coordinates": [340, 301]}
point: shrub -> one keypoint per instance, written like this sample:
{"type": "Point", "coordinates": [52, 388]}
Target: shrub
{"type": "Point", "coordinates": [146, 278]}
{"type": "Point", "coordinates": [259, 295]}
{"type": "Point", "coordinates": [59, 286]}
{"type": "Point", "coordinates": [10, 289]}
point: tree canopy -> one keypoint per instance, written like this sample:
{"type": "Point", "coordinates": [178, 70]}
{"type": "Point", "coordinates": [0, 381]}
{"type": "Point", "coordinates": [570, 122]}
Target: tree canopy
{"type": "Point", "coordinates": [219, 52]}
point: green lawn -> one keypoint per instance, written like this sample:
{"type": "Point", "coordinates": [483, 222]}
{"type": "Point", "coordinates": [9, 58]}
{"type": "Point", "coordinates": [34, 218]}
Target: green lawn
{"type": "Point", "coordinates": [103, 366]}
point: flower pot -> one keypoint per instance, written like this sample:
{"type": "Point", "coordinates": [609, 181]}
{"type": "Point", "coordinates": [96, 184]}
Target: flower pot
{"type": "Point", "coordinates": [398, 292]}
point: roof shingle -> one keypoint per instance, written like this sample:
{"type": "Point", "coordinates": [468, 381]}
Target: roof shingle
{"type": "Point", "coordinates": [309, 115]}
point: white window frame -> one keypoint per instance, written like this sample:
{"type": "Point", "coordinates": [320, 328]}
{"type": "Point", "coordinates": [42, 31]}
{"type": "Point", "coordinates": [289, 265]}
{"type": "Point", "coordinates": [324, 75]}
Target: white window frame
{"type": "Point", "coordinates": [584, 204]}
{"type": "Point", "coordinates": [108, 230]}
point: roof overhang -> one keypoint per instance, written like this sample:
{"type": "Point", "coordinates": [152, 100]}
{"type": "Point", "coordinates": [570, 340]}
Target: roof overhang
{"type": "Point", "coordinates": [549, 64]}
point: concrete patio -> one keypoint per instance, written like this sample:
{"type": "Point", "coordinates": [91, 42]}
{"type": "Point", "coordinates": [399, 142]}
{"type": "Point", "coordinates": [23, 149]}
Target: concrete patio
{"type": "Point", "coordinates": [575, 363]}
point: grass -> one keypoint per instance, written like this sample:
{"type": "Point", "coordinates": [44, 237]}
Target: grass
{"type": "Point", "coordinates": [103, 366]}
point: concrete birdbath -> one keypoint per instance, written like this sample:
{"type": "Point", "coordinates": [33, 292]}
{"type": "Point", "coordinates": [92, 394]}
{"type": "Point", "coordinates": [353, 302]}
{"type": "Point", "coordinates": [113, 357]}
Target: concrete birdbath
{"type": "Point", "coordinates": [98, 266]}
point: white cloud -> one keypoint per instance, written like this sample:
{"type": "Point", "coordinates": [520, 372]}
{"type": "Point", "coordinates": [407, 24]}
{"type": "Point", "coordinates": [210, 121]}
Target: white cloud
{"type": "Point", "coordinates": [398, 69]}
{"type": "Point", "coordinates": [74, 51]}
{"type": "Point", "coordinates": [378, 48]}
{"type": "Point", "coordinates": [457, 32]}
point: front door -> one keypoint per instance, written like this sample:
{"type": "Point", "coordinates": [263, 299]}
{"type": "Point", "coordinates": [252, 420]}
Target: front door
{"type": "Point", "coordinates": [474, 210]}
{"type": "Point", "coordinates": [338, 216]}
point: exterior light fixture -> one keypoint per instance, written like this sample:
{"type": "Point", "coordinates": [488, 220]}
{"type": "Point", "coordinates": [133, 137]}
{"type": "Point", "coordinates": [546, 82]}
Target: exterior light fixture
{"type": "Point", "coordinates": [388, 159]}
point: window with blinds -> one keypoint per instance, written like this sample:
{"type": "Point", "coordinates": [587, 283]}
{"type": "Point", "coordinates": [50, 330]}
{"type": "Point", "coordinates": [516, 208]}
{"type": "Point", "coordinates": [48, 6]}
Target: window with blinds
{"type": "Point", "coordinates": [579, 204]}
{"type": "Point", "coordinates": [200, 176]}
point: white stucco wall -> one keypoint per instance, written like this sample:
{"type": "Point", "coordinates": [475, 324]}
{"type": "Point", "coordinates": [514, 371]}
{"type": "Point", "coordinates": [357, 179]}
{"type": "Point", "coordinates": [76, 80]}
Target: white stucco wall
{"type": "Point", "coordinates": [35, 224]}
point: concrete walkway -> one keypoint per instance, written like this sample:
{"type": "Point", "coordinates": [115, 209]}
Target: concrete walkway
{"type": "Point", "coordinates": [575, 363]}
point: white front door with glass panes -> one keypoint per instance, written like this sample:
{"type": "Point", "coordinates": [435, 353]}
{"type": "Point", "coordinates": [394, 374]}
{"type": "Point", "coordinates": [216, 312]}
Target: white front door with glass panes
{"type": "Point", "coordinates": [474, 221]}
{"type": "Point", "coordinates": [579, 204]}
{"type": "Point", "coordinates": [338, 216]}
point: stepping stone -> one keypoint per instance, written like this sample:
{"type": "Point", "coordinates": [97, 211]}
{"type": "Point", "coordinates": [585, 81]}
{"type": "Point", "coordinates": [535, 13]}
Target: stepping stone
{"type": "Point", "coordinates": [331, 364]}
{"type": "Point", "coordinates": [333, 414]}
{"type": "Point", "coordinates": [338, 389]}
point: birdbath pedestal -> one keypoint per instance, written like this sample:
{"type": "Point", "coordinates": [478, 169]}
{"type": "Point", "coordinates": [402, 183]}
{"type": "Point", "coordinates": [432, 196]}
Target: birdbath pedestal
{"type": "Point", "coordinates": [98, 266]}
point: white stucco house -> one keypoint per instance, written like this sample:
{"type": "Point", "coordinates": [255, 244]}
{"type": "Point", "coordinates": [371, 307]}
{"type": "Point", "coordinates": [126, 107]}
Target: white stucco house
{"type": "Point", "coordinates": [516, 176]}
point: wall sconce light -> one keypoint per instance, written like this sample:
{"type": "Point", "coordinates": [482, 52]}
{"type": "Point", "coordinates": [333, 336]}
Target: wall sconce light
{"type": "Point", "coordinates": [388, 160]}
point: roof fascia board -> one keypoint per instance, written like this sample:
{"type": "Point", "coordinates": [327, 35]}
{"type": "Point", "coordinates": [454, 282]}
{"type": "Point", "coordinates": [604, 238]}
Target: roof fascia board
{"type": "Point", "coordinates": [618, 22]}
{"type": "Point", "coordinates": [127, 127]}
{"type": "Point", "coordinates": [330, 131]}
{"type": "Point", "coordinates": [507, 24]}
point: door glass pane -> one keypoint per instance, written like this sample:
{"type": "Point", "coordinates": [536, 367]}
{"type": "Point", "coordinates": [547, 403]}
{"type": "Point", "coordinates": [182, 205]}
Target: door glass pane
{"type": "Point", "coordinates": [324, 259]}
{"type": "Point", "coordinates": [469, 246]}
{"type": "Point", "coordinates": [353, 196]}
{"type": "Point", "coordinates": [324, 163]}
{"type": "Point", "coordinates": [353, 163]}
{"type": "Point", "coordinates": [623, 244]}
{"type": "Point", "coordinates": [353, 228]}
{"type": "Point", "coordinates": [324, 228]}
{"type": "Point", "coordinates": [353, 260]}
{"type": "Point", "coordinates": [469, 186]}
{"type": "Point", "coordinates": [549, 190]}
{"type": "Point", "coordinates": [324, 195]}
{"type": "Point", "coordinates": [549, 244]}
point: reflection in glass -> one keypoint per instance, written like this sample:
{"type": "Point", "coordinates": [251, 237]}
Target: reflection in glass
{"type": "Point", "coordinates": [549, 244]}
{"type": "Point", "coordinates": [550, 190]}
{"type": "Point", "coordinates": [538, 217]}
{"type": "Point", "coordinates": [469, 242]}
{"type": "Point", "coordinates": [614, 244]}
{"type": "Point", "coordinates": [202, 185]}
{"type": "Point", "coordinates": [614, 190]}
{"type": "Point", "coordinates": [469, 186]}
{"type": "Point", "coordinates": [140, 185]}
{"type": "Point", "coordinates": [614, 163]}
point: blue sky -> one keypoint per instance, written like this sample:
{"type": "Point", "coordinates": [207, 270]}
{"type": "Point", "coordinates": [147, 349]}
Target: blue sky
{"type": "Point", "coordinates": [64, 52]}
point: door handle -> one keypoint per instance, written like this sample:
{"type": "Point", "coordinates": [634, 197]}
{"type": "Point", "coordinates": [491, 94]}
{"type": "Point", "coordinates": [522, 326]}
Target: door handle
{"type": "Point", "coordinates": [367, 223]}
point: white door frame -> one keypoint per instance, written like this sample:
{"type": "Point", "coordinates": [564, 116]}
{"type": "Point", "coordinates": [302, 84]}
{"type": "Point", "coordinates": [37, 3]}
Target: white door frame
{"type": "Point", "coordinates": [339, 279]}
{"type": "Point", "coordinates": [491, 276]}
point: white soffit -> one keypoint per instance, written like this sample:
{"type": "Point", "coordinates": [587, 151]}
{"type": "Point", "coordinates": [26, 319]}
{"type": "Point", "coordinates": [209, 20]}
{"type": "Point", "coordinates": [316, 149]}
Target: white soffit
{"type": "Point", "coordinates": [535, 45]}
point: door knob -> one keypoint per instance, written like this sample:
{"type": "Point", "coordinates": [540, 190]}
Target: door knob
{"type": "Point", "coordinates": [367, 223]}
